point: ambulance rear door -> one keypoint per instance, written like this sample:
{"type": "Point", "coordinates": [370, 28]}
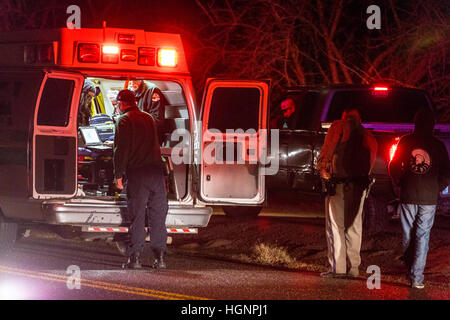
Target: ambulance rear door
{"type": "Point", "coordinates": [234, 140]}
{"type": "Point", "coordinates": [54, 159]}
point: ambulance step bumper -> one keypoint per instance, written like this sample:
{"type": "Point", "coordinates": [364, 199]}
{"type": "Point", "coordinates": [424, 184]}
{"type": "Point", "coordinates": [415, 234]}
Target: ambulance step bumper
{"type": "Point", "coordinates": [84, 214]}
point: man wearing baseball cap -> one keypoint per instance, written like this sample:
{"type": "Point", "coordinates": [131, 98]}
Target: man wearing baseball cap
{"type": "Point", "coordinates": [137, 154]}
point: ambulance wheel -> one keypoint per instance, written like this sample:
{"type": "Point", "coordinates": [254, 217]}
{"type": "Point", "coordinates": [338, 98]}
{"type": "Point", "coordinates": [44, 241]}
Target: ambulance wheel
{"type": "Point", "coordinates": [8, 235]}
{"type": "Point", "coordinates": [241, 212]}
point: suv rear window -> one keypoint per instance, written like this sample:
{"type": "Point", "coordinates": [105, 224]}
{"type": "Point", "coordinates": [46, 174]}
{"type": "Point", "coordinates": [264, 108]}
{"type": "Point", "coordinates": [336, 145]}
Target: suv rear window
{"type": "Point", "coordinates": [397, 106]}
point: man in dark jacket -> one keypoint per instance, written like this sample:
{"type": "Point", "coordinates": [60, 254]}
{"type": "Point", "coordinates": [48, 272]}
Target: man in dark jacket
{"type": "Point", "coordinates": [137, 153]}
{"type": "Point", "coordinates": [346, 160]}
{"type": "Point", "coordinates": [420, 167]}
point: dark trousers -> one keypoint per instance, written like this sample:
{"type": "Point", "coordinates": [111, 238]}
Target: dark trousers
{"type": "Point", "coordinates": [146, 197]}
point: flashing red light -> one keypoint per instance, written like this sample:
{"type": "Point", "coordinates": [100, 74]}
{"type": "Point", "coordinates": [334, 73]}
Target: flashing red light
{"type": "Point", "coordinates": [167, 58]}
{"type": "Point", "coordinates": [110, 54]}
{"type": "Point", "coordinates": [126, 38]}
{"type": "Point", "coordinates": [380, 88]}
{"type": "Point", "coordinates": [147, 56]}
{"type": "Point", "coordinates": [89, 52]}
{"type": "Point", "coordinates": [128, 55]}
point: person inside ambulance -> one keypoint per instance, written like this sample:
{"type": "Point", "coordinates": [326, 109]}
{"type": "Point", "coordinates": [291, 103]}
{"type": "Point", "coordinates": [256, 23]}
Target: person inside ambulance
{"type": "Point", "coordinates": [150, 99]}
{"type": "Point", "coordinates": [84, 109]}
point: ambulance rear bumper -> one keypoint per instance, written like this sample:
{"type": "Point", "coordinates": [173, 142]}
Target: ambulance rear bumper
{"type": "Point", "coordinates": [104, 214]}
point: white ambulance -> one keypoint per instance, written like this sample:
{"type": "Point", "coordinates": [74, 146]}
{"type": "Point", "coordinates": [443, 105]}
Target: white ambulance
{"type": "Point", "coordinates": [53, 172]}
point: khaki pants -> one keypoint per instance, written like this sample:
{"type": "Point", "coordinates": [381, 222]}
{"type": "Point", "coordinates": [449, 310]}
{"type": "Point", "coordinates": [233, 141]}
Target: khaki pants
{"type": "Point", "coordinates": [343, 217]}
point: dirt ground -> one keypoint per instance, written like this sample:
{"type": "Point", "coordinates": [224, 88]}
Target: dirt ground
{"type": "Point", "coordinates": [299, 243]}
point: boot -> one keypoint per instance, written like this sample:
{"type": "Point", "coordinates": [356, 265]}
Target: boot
{"type": "Point", "coordinates": [159, 262]}
{"type": "Point", "coordinates": [133, 262]}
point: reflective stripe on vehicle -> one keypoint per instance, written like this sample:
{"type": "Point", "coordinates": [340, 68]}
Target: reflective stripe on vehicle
{"type": "Point", "coordinates": [125, 230]}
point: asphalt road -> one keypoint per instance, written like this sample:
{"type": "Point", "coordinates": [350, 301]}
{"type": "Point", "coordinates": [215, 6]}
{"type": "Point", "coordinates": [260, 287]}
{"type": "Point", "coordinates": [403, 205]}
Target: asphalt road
{"type": "Point", "coordinates": [40, 268]}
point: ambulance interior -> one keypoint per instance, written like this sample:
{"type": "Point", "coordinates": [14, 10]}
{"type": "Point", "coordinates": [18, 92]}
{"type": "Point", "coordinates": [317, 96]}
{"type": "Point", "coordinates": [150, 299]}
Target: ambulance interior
{"type": "Point", "coordinates": [95, 141]}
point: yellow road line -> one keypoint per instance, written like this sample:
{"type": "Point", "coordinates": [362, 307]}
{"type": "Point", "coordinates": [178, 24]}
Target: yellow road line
{"type": "Point", "coordinates": [100, 285]}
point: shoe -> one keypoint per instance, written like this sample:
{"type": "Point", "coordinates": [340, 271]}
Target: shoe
{"type": "Point", "coordinates": [132, 263]}
{"type": "Point", "coordinates": [417, 285]}
{"type": "Point", "coordinates": [159, 262]}
{"type": "Point", "coordinates": [353, 273]}
{"type": "Point", "coordinates": [330, 274]}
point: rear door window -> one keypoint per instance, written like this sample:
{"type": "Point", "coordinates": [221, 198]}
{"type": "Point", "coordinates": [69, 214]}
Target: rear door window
{"type": "Point", "coordinates": [54, 108]}
{"type": "Point", "coordinates": [235, 108]}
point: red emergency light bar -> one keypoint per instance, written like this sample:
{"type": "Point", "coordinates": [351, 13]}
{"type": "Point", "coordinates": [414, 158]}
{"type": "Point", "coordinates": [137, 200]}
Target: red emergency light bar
{"type": "Point", "coordinates": [110, 54]}
{"type": "Point", "coordinates": [147, 56]}
{"type": "Point", "coordinates": [167, 58]}
{"type": "Point", "coordinates": [89, 52]}
{"type": "Point", "coordinates": [126, 38]}
{"type": "Point", "coordinates": [128, 55]}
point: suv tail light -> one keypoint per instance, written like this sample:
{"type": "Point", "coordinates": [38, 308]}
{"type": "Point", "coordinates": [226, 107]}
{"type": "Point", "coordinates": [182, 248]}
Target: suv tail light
{"type": "Point", "coordinates": [393, 148]}
{"type": "Point", "coordinates": [380, 91]}
{"type": "Point", "coordinates": [89, 52]}
{"type": "Point", "coordinates": [147, 56]}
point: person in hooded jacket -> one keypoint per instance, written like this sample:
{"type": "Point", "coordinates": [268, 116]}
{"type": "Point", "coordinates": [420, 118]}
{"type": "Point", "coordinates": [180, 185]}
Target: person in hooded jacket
{"type": "Point", "coordinates": [84, 110]}
{"type": "Point", "coordinates": [151, 100]}
{"type": "Point", "coordinates": [420, 167]}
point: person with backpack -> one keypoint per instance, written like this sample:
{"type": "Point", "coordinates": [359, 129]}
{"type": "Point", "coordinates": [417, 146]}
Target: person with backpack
{"type": "Point", "coordinates": [345, 162]}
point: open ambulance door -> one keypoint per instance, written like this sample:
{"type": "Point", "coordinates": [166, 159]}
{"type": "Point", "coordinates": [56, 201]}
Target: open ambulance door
{"type": "Point", "coordinates": [54, 160]}
{"type": "Point", "coordinates": [234, 139]}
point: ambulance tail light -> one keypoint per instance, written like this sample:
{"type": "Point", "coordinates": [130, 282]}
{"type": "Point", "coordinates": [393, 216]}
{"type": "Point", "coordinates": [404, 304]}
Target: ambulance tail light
{"type": "Point", "coordinates": [147, 56]}
{"type": "Point", "coordinates": [89, 52]}
{"type": "Point", "coordinates": [167, 58]}
{"type": "Point", "coordinates": [110, 54]}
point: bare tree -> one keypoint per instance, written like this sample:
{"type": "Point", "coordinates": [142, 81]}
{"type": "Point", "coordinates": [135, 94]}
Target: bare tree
{"type": "Point", "coordinates": [309, 42]}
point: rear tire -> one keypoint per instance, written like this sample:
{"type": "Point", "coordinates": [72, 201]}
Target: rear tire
{"type": "Point", "coordinates": [241, 212]}
{"type": "Point", "coordinates": [8, 235]}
